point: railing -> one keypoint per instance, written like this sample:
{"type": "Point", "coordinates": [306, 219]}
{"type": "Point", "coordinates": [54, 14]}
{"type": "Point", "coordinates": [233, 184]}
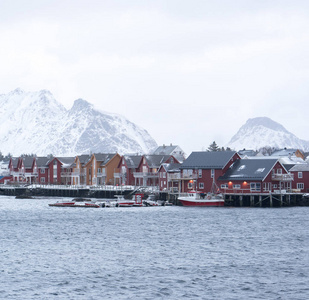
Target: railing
{"type": "Point", "coordinates": [282, 177]}
{"type": "Point", "coordinates": [145, 174]}
{"type": "Point", "coordinates": [182, 176]}
{"type": "Point", "coordinates": [101, 175]}
{"type": "Point", "coordinates": [24, 174]}
{"type": "Point", "coordinates": [69, 174]}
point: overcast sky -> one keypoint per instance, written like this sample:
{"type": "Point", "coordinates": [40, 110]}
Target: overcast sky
{"type": "Point", "coordinates": [189, 72]}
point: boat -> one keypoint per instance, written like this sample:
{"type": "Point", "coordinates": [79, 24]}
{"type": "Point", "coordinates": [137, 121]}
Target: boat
{"type": "Point", "coordinates": [195, 198]}
{"type": "Point", "coordinates": [78, 203]}
{"type": "Point", "coordinates": [122, 202]}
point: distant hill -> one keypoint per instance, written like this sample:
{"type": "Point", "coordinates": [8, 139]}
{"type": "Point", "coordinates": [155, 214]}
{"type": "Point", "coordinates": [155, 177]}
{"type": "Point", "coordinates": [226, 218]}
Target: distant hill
{"type": "Point", "coordinates": [264, 132]}
{"type": "Point", "coordinates": [34, 122]}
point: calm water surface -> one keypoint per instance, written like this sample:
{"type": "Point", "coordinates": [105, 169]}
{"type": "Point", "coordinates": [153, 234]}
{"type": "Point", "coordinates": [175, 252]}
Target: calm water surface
{"type": "Point", "coordinates": [152, 252]}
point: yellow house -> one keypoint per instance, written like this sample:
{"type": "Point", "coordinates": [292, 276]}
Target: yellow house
{"type": "Point", "coordinates": [100, 168]}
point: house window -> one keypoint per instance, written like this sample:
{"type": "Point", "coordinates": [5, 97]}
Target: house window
{"type": "Point", "coordinates": [236, 186]}
{"type": "Point", "coordinates": [201, 185]}
{"type": "Point", "coordinates": [212, 175]}
{"type": "Point", "coordinates": [99, 170]}
{"type": "Point", "coordinates": [224, 186]}
{"type": "Point", "coordinates": [300, 186]}
{"type": "Point", "coordinates": [164, 175]}
{"type": "Point", "coordinates": [279, 171]}
{"type": "Point", "coordinates": [266, 186]}
{"type": "Point", "coordinates": [190, 185]}
{"type": "Point", "coordinates": [255, 187]}
{"type": "Point", "coordinates": [42, 171]}
{"type": "Point", "coordinates": [172, 160]}
{"type": "Point", "coordinates": [42, 179]}
{"type": "Point", "coordinates": [300, 174]}
{"type": "Point", "coordinates": [200, 173]}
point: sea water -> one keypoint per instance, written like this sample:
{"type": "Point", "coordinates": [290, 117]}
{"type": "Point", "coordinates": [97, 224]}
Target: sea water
{"type": "Point", "coordinates": [152, 252]}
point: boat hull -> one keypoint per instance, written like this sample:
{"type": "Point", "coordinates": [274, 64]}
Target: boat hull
{"type": "Point", "coordinates": [190, 202]}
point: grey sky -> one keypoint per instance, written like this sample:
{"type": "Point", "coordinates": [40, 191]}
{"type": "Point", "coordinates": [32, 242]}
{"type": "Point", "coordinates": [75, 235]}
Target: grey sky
{"type": "Point", "coordinates": [190, 72]}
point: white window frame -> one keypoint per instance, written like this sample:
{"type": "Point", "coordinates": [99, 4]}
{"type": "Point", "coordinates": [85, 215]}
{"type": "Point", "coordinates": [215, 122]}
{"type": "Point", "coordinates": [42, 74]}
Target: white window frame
{"type": "Point", "coordinates": [236, 186]}
{"type": "Point", "coordinates": [300, 174]}
{"type": "Point", "coordinates": [201, 185]}
{"type": "Point", "coordinates": [224, 186]}
{"type": "Point", "coordinates": [300, 185]}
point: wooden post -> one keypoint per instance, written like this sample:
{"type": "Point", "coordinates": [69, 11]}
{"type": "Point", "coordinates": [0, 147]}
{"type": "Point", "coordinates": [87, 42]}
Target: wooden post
{"type": "Point", "coordinates": [260, 199]}
{"type": "Point", "coordinates": [251, 200]}
{"type": "Point", "coordinates": [240, 201]}
{"type": "Point", "coordinates": [270, 200]}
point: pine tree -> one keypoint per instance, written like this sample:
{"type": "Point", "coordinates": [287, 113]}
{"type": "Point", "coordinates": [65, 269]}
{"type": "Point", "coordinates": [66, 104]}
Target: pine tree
{"type": "Point", "coordinates": [213, 147]}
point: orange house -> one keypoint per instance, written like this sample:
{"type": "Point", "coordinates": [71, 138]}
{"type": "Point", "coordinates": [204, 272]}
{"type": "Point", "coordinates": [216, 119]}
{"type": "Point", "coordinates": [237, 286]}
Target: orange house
{"type": "Point", "coordinates": [80, 169]}
{"type": "Point", "coordinates": [100, 168]}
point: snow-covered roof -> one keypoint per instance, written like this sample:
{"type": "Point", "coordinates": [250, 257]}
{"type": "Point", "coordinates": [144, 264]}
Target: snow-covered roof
{"type": "Point", "coordinates": [249, 169]}
{"type": "Point", "coordinates": [155, 161]}
{"type": "Point", "coordinates": [132, 161]}
{"type": "Point", "coordinates": [300, 168]}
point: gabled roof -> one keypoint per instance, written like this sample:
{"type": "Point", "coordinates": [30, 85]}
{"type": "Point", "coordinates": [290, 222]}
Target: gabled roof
{"type": "Point", "coordinates": [28, 161]}
{"type": "Point", "coordinates": [249, 169]}
{"type": "Point", "coordinates": [171, 167]}
{"type": "Point", "coordinates": [165, 150]}
{"type": "Point", "coordinates": [66, 161]}
{"type": "Point", "coordinates": [42, 161]}
{"type": "Point", "coordinates": [300, 168]}
{"type": "Point", "coordinates": [132, 161]}
{"type": "Point", "coordinates": [208, 160]}
{"type": "Point", "coordinates": [284, 152]}
{"type": "Point", "coordinates": [155, 161]}
{"type": "Point", "coordinates": [84, 158]}
{"type": "Point", "coordinates": [174, 150]}
{"type": "Point", "coordinates": [15, 161]}
{"type": "Point", "coordinates": [104, 158]}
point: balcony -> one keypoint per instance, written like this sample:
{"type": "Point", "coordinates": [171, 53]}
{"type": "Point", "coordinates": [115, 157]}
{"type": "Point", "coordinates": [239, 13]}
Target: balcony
{"type": "Point", "coordinates": [100, 175]}
{"type": "Point", "coordinates": [282, 177]}
{"type": "Point", "coordinates": [146, 174]}
{"type": "Point", "coordinates": [70, 174]}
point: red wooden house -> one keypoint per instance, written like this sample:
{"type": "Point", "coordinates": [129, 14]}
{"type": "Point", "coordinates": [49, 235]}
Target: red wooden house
{"type": "Point", "coordinates": [201, 169]}
{"type": "Point", "coordinates": [147, 170]}
{"type": "Point", "coordinates": [43, 169]}
{"type": "Point", "coordinates": [301, 178]}
{"type": "Point", "coordinates": [169, 177]}
{"type": "Point", "coordinates": [31, 169]}
{"type": "Point", "coordinates": [255, 176]}
{"type": "Point", "coordinates": [17, 169]}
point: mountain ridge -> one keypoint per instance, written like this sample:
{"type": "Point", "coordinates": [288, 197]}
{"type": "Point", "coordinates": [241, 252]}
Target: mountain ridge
{"type": "Point", "coordinates": [34, 122]}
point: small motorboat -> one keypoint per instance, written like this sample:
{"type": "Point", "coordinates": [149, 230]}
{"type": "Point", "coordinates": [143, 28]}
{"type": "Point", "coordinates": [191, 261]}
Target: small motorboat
{"type": "Point", "coordinates": [122, 202]}
{"type": "Point", "coordinates": [87, 204]}
{"type": "Point", "coordinates": [194, 198]}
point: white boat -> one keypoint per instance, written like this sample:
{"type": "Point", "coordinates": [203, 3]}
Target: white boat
{"type": "Point", "coordinates": [194, 198]}
{"type": "Point", "coordinates": [122, 202]}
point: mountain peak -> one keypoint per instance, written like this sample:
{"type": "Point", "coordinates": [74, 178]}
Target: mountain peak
{"type": "Point", "coordinates": [262, 132]}
{"type": "Point", "coordinates": [17, 91]}
{"type": "Point", "coordinates": [81, 104]}
{"type": "Point", "coordinates": [35, 122]}
{"type": "Point", "coordinates": [265, 122]}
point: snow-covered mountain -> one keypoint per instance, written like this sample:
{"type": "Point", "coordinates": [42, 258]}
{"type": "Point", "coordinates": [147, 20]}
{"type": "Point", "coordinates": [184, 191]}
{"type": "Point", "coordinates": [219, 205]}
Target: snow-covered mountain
{"type": "Point", "coordinates": [34, 122]}
{"type": "Point", "coordinates": [264, 132]}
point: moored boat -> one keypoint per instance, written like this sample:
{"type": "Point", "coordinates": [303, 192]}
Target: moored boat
{"type": "Point", "coordinates": [194, 198]}
{"type": "Point", "coordinates": [75, 204]}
